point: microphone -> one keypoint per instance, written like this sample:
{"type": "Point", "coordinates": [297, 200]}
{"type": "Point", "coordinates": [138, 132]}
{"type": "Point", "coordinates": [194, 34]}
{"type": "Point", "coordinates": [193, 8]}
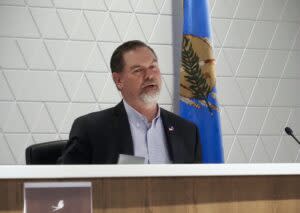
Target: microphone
{"type": "Point", "coordinates": [289, 131]}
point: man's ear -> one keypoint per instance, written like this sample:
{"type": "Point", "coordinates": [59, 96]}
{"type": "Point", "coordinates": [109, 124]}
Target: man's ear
{"type": "Point", "coordinates": [117, 79]}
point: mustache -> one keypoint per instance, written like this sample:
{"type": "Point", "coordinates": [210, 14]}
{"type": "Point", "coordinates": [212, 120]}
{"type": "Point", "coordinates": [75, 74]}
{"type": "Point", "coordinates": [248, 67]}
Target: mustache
{"type": "Point", "coordinates": [150, 83]}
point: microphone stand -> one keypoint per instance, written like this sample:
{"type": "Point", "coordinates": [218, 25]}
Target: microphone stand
{"type": "Point", "coordinates": [289, 131]}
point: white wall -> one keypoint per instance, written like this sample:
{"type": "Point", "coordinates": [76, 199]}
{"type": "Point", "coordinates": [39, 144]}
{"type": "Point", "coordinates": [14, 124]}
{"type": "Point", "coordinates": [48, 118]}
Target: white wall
{"type": "Point", "coordinates": [54, 66]}
{"type": "Point", "coordinates": [257, 46]}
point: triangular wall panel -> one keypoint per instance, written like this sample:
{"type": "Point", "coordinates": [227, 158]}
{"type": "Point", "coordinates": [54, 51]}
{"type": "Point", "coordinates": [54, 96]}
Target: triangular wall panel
{"type": "Point", "coordinates": [58, 112]}
{"type": "Point", "coordinates": [134, 31]}
{"type": "Point", "coordinates": [5, 93]}
{"type": "Point", "coordinates": [147, 23]}
{"type": "Point", "coordinates": [146, 6]}
{"type": "Point", "coordinates": [15, 121]}
{"type": "Point", "coordinates": [120, 6]}
{"type": "Point", "coordinates": [6, 156]}
{"type": "Point", "coordinates": [121, 20]}
{"type": "Point", "coordinates": [75, 25]}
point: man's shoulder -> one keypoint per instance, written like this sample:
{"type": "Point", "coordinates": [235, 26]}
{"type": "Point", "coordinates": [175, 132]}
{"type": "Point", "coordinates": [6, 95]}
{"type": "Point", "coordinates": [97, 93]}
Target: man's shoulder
{"type": "Point", "coordinates": [175, 118]}
{"type": "Point", "coordinates": [102, 115]}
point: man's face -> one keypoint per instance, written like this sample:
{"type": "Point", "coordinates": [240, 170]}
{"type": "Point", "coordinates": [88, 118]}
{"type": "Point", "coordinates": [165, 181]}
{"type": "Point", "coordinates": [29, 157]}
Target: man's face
{"type": "Point", "coordinates": [140, 80]}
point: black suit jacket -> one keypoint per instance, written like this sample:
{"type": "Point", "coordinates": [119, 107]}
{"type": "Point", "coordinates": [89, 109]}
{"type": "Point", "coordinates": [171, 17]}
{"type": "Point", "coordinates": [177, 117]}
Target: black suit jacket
{"type": "Point", "coordinates": [100, 137]}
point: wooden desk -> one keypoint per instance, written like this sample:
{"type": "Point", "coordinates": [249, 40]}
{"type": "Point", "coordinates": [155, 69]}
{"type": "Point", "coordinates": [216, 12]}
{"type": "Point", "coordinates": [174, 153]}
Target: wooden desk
{"type": "Point", "coordinates": [168, 188]}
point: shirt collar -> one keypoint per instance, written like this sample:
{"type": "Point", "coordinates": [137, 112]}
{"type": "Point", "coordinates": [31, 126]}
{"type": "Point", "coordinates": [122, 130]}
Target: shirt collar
{"type": "Point", "coordinates": [135, 117]}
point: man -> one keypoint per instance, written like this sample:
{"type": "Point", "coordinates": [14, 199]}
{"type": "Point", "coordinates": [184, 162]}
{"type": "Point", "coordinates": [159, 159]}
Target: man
{"type": "Point", "coordinates": [136, 126]}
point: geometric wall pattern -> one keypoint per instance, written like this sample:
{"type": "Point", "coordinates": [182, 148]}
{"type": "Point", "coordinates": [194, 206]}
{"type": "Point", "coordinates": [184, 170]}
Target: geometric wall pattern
{"type": "Point", "coordinates": [54, 67]}
{"type": "Point", "coordinates": [257, 46]}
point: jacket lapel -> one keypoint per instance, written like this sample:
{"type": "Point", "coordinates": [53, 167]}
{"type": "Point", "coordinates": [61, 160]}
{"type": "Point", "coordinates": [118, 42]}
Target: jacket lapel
{"type": "Point", "coordinates": [174, 141]}
{"type": "Point", "coordinates": [122, 131]}
{"type": "Point", "coordinates": [123, 137]}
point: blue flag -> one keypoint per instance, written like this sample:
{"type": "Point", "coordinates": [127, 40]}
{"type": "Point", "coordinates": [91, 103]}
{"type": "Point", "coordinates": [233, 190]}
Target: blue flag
{"type": "Point", "coordinates": [198, 102]}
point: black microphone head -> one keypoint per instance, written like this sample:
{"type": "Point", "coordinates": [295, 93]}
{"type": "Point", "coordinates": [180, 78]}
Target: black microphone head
{"type": "Point", "coordinates": [288, 130]}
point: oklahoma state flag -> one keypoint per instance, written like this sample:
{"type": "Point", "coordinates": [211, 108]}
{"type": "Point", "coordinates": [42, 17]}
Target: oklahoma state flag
{"type": "Point", "coordinates": [198, 102]}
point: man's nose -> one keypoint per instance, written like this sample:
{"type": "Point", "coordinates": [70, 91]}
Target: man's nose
{"type": "Point", "coordinates": [149, 73]}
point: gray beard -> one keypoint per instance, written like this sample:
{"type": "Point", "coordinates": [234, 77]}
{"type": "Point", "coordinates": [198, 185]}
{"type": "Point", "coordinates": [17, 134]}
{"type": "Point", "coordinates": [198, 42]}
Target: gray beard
{"type": "Point", "coordinates": [150, 98]}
